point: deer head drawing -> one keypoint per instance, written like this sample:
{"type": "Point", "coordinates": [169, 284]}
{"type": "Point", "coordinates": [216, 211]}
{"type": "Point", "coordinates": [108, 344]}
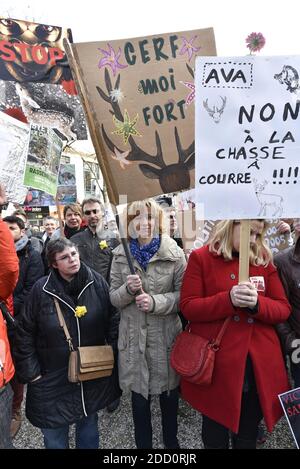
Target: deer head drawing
{"type": "Point", "coordinates": [171, 177]}
{"type": "Point", "coordinates": [215, 112]}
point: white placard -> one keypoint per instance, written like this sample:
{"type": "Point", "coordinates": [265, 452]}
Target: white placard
{"type": "Point", "coordinates": [248, 137]}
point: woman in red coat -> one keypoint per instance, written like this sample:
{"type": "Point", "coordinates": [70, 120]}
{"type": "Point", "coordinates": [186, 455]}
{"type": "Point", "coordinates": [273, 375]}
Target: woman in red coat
{"type": "Point", "coordinates": [249, 370]}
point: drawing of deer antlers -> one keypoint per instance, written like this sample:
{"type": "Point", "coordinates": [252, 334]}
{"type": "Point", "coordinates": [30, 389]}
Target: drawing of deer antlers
{"type": "Point", "coordinates": [215, 112]}
{"type": "Point", "coordinates": [173, 177]}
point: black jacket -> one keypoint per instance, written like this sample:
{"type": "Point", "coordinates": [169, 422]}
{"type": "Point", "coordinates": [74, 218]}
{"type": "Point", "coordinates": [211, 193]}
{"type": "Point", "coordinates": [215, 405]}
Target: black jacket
{"type": "Point", "coordinates": [92, 254]}
{"type": "Point", "coordinates": [288, 266]}
{"type": "Point", "coordinates": [41, 348]}
{"type": "Point", "coordinates": [31, 268]}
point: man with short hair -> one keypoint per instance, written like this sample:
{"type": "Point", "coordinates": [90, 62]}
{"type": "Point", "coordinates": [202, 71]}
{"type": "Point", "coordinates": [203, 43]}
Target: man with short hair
{"type": "Point", "coordinates": [31, 269]}
{"type": "Point", "coordinates": [94, 243]}
{"type": "Point", "coordinates": [36, 241]}
{"type": "Point", "coordinates": [50, 225]}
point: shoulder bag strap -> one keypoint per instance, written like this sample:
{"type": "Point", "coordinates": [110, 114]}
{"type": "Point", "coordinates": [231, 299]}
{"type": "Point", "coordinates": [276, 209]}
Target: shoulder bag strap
{"type": "Point", "coordinates": [217, 341]}
{"type": "Point", "coordinates": [62, 324]}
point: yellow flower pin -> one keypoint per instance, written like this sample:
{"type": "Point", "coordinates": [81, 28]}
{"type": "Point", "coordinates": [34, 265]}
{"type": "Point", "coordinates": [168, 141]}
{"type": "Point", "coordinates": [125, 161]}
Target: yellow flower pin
{"type": "Point", "coordinates": [103, 244]}
{"type": "Point", "coordinates": [80, 311]}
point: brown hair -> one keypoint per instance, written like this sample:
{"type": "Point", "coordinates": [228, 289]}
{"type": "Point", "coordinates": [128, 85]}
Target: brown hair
{"type": "Point", "coordinates": [57, 245]}
{"type": "Point", "coordinates": [221, 243]}
{"type": "Point", "coordinates": [76, 208]}
{"type": "Point", "coordinates": [92, 200]}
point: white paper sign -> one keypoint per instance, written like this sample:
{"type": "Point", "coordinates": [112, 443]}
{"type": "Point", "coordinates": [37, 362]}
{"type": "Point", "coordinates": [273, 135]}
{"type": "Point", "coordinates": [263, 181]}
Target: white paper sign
{"type": "Point", "coordinates": [14, 137]}
{"type": "Point", "coordinates": [248, 137]}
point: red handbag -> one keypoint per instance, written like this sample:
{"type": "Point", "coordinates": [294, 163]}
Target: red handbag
{"type": "Point", "coordinates": [193, 357]}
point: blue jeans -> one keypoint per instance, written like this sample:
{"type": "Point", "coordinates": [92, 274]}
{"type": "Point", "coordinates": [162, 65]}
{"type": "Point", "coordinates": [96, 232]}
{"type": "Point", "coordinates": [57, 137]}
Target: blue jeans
{"type": "Point", "coordinates": [141, 412]}
{"type": "Point", "coordinates": [86, 435]}
{"type": "Point", "coordinates": [6, 396]}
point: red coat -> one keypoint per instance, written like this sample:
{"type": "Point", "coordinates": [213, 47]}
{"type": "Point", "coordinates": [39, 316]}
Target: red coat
{"type": "Point", "coordinates": [205, 302]}
{"type": "Point", "coordinates": [9, 271]}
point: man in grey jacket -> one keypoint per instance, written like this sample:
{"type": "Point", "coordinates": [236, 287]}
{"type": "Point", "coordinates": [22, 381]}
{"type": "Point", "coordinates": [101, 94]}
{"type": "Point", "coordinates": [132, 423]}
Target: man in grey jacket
{"type": "Point", "coordinates": [95, 244]}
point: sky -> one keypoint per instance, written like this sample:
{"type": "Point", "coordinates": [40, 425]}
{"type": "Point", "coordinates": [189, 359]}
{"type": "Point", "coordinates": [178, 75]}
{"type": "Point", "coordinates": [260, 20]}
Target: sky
{"type": "Point", "coordinates": [232, 20]}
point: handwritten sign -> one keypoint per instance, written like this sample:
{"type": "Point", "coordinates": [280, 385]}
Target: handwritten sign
{"type": "Point", "coordinates": [141, 92]}
{"type": "Point", "coordinates": [290, 402]}
{"type": "Point", "coordinates": [247, 136]}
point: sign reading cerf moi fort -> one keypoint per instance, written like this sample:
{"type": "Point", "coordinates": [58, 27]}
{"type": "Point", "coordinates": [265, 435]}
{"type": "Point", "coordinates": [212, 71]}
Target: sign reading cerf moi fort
{"type": "Point", "coordinates": [247, 136]}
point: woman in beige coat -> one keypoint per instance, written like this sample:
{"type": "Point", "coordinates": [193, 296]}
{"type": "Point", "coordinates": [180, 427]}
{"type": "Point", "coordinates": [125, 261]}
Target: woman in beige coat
{"type": "Point", "coordinates": [148, 302]}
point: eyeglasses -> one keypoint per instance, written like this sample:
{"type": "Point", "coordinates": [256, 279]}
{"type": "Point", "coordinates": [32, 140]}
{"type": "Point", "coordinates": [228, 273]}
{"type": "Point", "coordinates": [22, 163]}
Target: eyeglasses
{"type": "Point", "coordinates": [68, 256]}
{"type": "Point", "coordinates": [94, 211]}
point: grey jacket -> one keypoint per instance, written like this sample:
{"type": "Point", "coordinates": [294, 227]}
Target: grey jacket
{"type": "Point", "coordinates": [145, 339]}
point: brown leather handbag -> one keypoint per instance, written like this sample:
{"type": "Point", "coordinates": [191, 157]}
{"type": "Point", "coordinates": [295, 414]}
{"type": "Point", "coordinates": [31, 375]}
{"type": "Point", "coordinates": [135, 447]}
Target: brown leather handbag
{"type": "Point", "coordinates": [86, 363]}
{"type": "Point", "coordinates": [193, 357]}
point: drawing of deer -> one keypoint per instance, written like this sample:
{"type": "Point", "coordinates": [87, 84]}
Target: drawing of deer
{"type": "Point", "coordinates": [46, 117]}
{"type": "Point", "coordinates": [215, 112]}
{"type": "Point", "coordinates": [270, 204]}
{"type": "Point", "coordinates": [172, 177]}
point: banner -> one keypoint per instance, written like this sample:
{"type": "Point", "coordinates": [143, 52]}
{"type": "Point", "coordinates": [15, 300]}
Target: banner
{"type": "Point", "coordinates": [14, 137]}
{"type": "Point", "coordinates": [141, 95]}
{"type": "Point", "coordinates": [44, 151]}
{"type": "Point", "coordinates": [290, 402]}
{"type": "Point", "coordinates": [33, 52]}
{"type": "Point", "coordinates": [66, 189]}
{"type": "Point", "coordinates": [247, 136]}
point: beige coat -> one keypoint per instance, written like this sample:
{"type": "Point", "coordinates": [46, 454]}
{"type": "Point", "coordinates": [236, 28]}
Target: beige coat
{"type": "Point", "coordinates": [145, 339]}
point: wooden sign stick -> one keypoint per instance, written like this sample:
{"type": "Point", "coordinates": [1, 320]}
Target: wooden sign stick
{"type": "Point", "coordinates": [244, 251]}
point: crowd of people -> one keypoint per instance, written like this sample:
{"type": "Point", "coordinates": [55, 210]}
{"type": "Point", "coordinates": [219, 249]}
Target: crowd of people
{"type": "Point", "coordinates": [139, 308]}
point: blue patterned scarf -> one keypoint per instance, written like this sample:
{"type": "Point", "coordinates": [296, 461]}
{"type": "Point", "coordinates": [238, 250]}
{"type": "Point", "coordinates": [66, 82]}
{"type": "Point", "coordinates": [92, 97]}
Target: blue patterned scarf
{"type": "Point", "coordinates": [143, 253]}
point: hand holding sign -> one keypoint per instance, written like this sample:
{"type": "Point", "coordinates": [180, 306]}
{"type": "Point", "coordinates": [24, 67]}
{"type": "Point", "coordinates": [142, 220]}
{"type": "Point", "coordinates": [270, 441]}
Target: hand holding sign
{"type": "Point", "coordinates": [244, 295]}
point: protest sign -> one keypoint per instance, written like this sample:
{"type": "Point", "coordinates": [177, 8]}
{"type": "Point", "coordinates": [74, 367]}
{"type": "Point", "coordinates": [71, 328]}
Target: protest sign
{"type": "Point", "coordinates": [197, 233]}
{"type": "Point", "coordinates": [44, 151]}
{"type": "Point", "coordinates": [247, 136]}
{"type": "Point", "coordinates": [140, 96]}
{"type": "Point", "coordinates": [33, 52]}
{"type": "Point", "coordinates": [290, 402]}
{"type": "Point", "coordinates": [66, 189]}
{"type": "Point", "coordinates": [14, 136]}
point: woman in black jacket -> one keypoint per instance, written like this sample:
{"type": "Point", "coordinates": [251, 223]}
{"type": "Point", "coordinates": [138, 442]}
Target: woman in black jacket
{"type": "Point", "coordinates": [42, 352]}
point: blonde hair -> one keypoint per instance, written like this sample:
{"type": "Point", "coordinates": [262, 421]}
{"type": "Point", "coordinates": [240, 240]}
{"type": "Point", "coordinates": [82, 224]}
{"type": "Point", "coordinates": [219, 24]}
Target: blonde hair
{"type": "Point", "coordinates": [222, 244]}
{"type": "Point", "coordinates": [135, 208]}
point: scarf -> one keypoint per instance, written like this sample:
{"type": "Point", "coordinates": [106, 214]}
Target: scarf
{"type": "Point", "coordinates": [143, 253]}
{"type": "Point", "coordinates": [21, 243]}
{"type": "Point", "coordinates": [69, 232]}
{"type": "Point", "coordinates": [74, 287]}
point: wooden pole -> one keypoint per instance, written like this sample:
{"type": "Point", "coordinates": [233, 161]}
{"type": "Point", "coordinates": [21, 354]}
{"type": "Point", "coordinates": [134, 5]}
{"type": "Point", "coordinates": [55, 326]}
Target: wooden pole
{"type": "Point", "coordinates": [244, 251]}
{"type": "Point", "coordinates": [91, 120]}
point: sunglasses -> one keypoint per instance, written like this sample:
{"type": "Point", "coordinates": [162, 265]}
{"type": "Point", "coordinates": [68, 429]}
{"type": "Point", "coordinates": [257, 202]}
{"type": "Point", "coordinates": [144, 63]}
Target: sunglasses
{"type": "Point", "coordinates": [94, 211]}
